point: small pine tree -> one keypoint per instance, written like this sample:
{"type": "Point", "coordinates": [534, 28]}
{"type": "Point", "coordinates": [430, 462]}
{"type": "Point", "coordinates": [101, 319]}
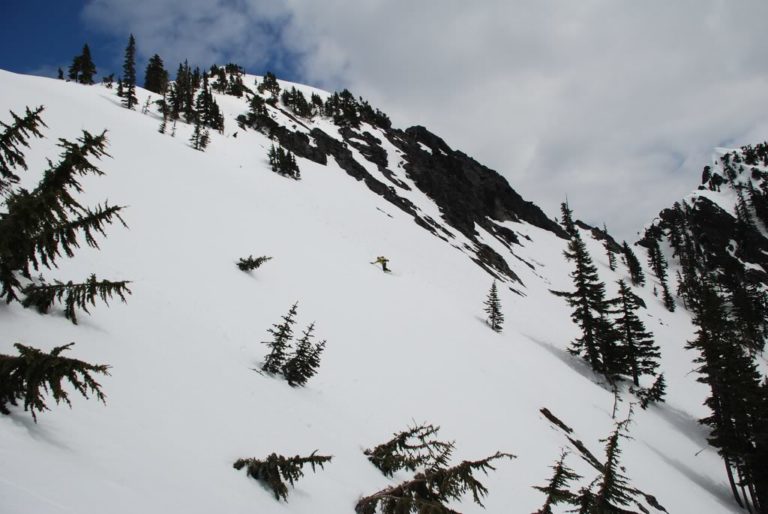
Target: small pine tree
{"type": "Point", "coordinates": [305, 359]}
{"type": "Point", "coordinates": [640, 353]}
{"type": "Point", "coordinates": [412, 449]}
{"type": "Point", "coordinates": [633, 265]}
{"type": "Point", "coordinates": [659, 265]}
{"type": "Point", "coordinates": [613, 489]}
{"type": "Point", "coordinates": [163, 106]}
{"type": "Point", "coordinates": [26, 376]}
{"type": "Point", "coordinates": [60, 74]}
{"type": "Point", "coordinates": [42, 296]}
{"type": "Point", "coordinates": [493, 309]}
{"type": "Point", "coordinates": [608, 251]}
{"type": "Point", "coordinates": [270, 84]}
{"type": "Point", "coordinates": [655, 394]}
{"type": "Point", "coordinates": [428, 492]}
{"type": "Point", "coordinates": [667, 298]}
{"type": "Point", "coordinates": [199, 139]}
{"type": "Point", "coordinates": [251, 263]}
{"type": "Point", "coordinates": [282, 334]}
{"type": "Point", "coordinates": [567, 219]}
{"type": "Point", "coordinates": [82, 70]}
{"type": "Point", "coordinates": [283, 162]}
{"type": "Point", "coordinates": [557, 488]}
{"type": "Point", "coordinates": [276, 469]}
{"type": "Point", "coordinates": [155, 76]}
{"type": "Point", "coordinates": [129, 74]}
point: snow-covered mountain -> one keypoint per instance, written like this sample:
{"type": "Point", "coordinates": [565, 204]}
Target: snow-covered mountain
{"type": "Point", "coordinates": [725, 218]}
{"type": "Point", "coordinates": [184, 399]}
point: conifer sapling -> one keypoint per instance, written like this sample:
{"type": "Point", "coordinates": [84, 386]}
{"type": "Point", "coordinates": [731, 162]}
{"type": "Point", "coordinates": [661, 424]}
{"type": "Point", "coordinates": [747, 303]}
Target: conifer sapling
{"type": "Point", "coordinates": [412, 449]}
{"type": "Point", "coordinates": [557, 488]}
{"type": "Point", "coordinates": [305, 359]}
{"type": "Point", "coordinates": [493, 309]}
{"type": "Point", "coordinates": [32, 373]}
{"type": "Point", "coordinates": [251, 263]}
{"type": "Point", "coordinates": [276, 469]}
{"type": "Point", "coordinates": [282, 334]}
{"type": "Point", "coordinates": [429, 491]}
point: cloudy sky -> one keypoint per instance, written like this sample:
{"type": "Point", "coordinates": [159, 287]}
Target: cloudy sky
{"type": "Point", "coordinates": [615, 104]}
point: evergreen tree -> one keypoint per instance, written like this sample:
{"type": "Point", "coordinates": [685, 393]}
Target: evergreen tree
{"type": "Point", "coordinates": [749, 310]}
{"type": "Point", "coordinates": [428, 492]}
{"type": "Point", "coordinates": [608, 251]}
{"type": "Point", "coordinates": [738, 421]}
{"type": "Point", "coordinates": [276, 469]}
{"type": "Point", "coordinates": [636, 274]}
{"type": "Point", "coordinates": [744, 219]}
{"type": "Point", "coordinates": [129, 74]}
{"type": "Point", "coordinates": [42, 296]}
{"type": "Point", "coordinates": [27, 376]}
{"type": "Point", "coordinates": [667, 299]}
{"type": "Point", "coordinates": [557, 488]}
{"type": "Point", "coordinates": [200, 137]}
{"type": "Point", "coordinates": [613, 490]}
{"type": "Point", "coordinates": [655, 394]}
{"type": "Point", "coordinates": [74, 69]}
{"type": "Point", "coordinates": [155, 76]}
{"type": "Point", "coordinates": [82, 69]}
{"type": "Point", "coordinates": [164, 110]}
{"type": "Point", "coordinates": [39, 226]}
{"type": "Point", "coordinates": [659, 266]}
{"type": "Point", "coordinates": [412, 449]}
{"type": "Point", "coordinates": [60, 74]}
{"type": "Point", "coordinates": [305, 359]}
{"type": "Point", "coordinates": [567, 219]}
{"type": "Point", "coordinates": [283, 163]}
{"type": "Point", "coordinates": [296, 102]}
{"type": "Point", "coordinates": [208, 110]}
{"type": "Point", "coordinates": [590, 309]}
{"type": "Point", "coordinates": [493, 309]}
{"type": "Point", "coordinates": [278, 348]}
{"type": "Point", "coordinates": [183, 99]}
{"type": "Point", "coordinates": [12, 138]}
{"type": "Point", "coordinates": [640, 353]}
{"type": "Point", "coordinates": [269, 83]}
{"type": "Point", "coordinates": [250, 263]}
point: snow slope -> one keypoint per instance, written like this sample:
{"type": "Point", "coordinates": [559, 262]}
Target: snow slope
{"type": "Point", "coordinates": [184, 401]}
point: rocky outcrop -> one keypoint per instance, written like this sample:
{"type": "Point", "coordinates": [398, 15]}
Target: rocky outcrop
{"type": "Point", "coordinates": [468, 194]}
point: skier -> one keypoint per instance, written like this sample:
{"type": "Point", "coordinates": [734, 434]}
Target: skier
{"type": "Point", "coordinates": [383, 261]}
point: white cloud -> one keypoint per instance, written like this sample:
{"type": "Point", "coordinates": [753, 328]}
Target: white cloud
{"type": "Point", "coordinates": [616, 104]}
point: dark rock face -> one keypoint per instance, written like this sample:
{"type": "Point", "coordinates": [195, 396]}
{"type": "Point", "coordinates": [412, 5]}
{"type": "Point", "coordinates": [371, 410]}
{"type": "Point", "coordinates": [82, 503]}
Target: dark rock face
{"type": "Point", "coordinates": [725, 245]}
{"type": "Point", "coordinates": [728, 243]}
{"type": "Point", "coordinates": [468, 194]}
{"type": "Point", "coordinates": [601, 235]}
{"type": "Point", "coordinates": [466, 191]}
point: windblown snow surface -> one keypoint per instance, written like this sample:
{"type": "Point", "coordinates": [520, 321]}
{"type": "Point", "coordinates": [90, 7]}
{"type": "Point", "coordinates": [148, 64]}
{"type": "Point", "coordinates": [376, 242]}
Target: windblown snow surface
{"type": "Point", "coordinates": [184, 400]}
